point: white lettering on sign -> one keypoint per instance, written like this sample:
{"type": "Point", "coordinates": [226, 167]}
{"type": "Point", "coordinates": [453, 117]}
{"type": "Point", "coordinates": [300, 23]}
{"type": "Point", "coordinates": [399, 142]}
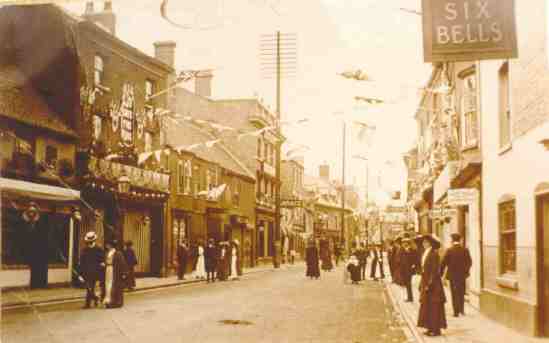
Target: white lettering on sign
{"type": "Point", "coordinates": [469, 30]}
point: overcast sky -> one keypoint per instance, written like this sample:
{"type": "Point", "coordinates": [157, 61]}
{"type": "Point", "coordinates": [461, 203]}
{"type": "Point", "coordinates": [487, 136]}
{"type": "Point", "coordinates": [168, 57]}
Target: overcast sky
{"type": "Point", "coordinates": [333, 35]}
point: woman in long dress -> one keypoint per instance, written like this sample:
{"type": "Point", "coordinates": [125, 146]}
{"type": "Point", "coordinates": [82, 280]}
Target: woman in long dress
{"type": "Point", "coordinates": [312, 259]}
{"type": "Point", "coordinates": [235, 260]}
{"type": "Point", "coordinates": [224, 262]}
{"type": "Point", "coordinates": [200, 270]}
{"type": "Point", "coordinates": [115, 276]}
{"type": "Point", "coordinates": [432, 315]}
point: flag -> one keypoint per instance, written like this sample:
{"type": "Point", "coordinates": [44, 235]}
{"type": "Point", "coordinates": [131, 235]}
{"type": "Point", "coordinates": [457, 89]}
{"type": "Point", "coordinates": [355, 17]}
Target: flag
{"type": "Point", "coordinates": [358, 75]}
{"type": "Point", "coordinates": [365, 132]}
{"type": "Point", "coordinates": [371, 101]}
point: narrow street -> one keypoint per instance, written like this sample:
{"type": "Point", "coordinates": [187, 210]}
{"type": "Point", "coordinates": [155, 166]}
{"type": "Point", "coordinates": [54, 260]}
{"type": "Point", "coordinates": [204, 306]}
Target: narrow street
{"type": "Point", "coordinates": [280, 306]}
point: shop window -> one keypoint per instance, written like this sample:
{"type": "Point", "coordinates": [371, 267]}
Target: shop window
{"type": "Point", "coordinates": [98, 70]}
{"type": "Point", "coordinates": [504, 107]}
{"type": "Point", "coordinates": [51, 156]}
{"type": "Point", "coordinates": [180, 232]}
{"type": "Point", "coordinates": [15, 240]}
{"type": "Point", "coordinates": [180, 177]}
{"type": "Point", "coordinates": [507, 237]}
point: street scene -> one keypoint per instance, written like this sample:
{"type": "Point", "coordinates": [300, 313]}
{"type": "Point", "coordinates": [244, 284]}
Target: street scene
{"type": "Point", "coordinates": [274, 171]}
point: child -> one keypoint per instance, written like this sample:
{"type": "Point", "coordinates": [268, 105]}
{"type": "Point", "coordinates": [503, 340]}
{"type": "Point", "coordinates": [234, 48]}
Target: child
{"type": "Point", "coordinates": [353, 268]}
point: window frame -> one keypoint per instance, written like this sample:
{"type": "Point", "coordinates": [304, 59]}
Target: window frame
{"type": "Point", "coordinates": [98, 71]}
{"type": "Point", "coordinates": [470, 126]}
{"type": "Point", "coordinates": [504, 232]}
{"type": "Point", "coordinates": [149, 92]}
{"type": "Point", "coordinates": [504, 107]}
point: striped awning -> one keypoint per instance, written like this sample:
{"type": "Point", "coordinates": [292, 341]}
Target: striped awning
{"type": "Point", "coordinates": [24, 189]}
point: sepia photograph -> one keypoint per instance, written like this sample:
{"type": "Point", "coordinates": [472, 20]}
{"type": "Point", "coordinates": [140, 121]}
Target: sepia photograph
{"type": "Point", "coordinates": [274, 171]}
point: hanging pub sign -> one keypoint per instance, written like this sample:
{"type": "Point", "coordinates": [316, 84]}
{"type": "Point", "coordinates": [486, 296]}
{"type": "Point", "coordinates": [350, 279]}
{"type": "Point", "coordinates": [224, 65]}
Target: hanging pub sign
{"type": "Point", "coordinates": [468, 30]}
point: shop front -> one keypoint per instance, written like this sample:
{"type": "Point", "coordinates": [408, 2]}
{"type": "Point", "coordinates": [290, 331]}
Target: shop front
{"type": "Point", "coordinates": [129, 205]}
{"type": "Point", "coordinates": [48, 238]}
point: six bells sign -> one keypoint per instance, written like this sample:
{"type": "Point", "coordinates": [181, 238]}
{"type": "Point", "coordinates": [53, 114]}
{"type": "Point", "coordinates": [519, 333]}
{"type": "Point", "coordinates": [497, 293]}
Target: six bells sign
{"type": "Point", "coordinates": [468, 30]}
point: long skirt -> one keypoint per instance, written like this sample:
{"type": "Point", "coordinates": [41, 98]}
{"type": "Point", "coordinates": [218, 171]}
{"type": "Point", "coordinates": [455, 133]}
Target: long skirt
{"type": "Point", "coordinates": [114, 295]}
{"type": "Point", "coordinates": [312, 269]}
{"type": "Point", "coordinates": [130, 283]}
{"type": "Point", "coordinates": [200, 268]}
{"type": "Point", "coordinates": [234, 270]}
{"type": "Point", "coordinates": [432, 315]}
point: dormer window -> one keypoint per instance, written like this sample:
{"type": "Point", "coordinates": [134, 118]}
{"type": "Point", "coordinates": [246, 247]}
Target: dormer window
{"type": "Point", "coordinates": [98, 70]}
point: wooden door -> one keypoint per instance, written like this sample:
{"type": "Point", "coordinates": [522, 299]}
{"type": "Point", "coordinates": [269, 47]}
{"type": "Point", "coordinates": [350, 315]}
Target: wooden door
{"type": "Point", "coordinates": [138, 231]}
{"type": "Point", "coordinates": [543, 246]}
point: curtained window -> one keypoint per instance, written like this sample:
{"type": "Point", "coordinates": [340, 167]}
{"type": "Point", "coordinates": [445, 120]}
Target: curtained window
{"type": "Point", "coordinates": [508, 237]}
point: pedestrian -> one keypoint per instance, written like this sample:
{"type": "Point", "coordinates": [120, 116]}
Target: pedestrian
{"type": "Point", "coordinates": [457, 260]}
{"type": "Point", "coordinates": [337, 253]}
{"type": "Point", "coordinates": [292, 256]}
{"type": "Point", "coordinates": [312, 260]}
{"type": "Point", "coordinates": [432, 315]}
{"type": "Point", "coordinates": [224, 263]}
{"type": "Point", "coordinates": [210, 257]}
{"type": "Point", "coordinates": [131, 261]}
{"type": "Point", "coordinates": [377, 262]}
{"type": "Point", "coordinates": [200, 267]}
{"type": "Point", "coordinates": [92, 265]}
{"type": "Point", "coordinates": [236, 266]}
{"type": "Point", "coordinates": [325, 255]}
{"type": "Point", "coordinates": [418, 244]}
{"type": "Point", "coordinates": [116, 273]}
{"type": "Point", "coordinates": [408, 266]}
{"type": "Point", "coordinates": [395, 261]}
{"type": "Point", "coordinates": [353, 267]}
{"type": "Point", "coordinates": [182, 258]}
{"type": "Point", "coordinates": [36, 231]}
{"type": "Point", "coordinates": [363, 260]}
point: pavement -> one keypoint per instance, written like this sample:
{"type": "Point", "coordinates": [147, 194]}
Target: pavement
{"type": "Point", "coordinates": [471, 328]}
{"type": "Point", "coordinates": [25, 297]}
{"type": "Point", "coordinates": [279, 306]}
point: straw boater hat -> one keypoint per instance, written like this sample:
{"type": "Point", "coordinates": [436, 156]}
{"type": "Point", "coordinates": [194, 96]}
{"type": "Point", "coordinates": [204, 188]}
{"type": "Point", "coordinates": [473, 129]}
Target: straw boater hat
{"type": "Point", "coordinates": [90, 237]}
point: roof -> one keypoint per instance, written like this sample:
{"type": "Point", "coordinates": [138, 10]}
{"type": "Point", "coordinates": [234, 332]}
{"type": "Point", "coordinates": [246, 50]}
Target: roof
{"type": "Point", "coordinates": [21, 102]}
{"type": "Point", "coordinates": [185, 134]}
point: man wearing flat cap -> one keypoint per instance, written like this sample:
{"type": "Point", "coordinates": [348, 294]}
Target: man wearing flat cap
{"type": "Point", "coordinates": [457, 261]}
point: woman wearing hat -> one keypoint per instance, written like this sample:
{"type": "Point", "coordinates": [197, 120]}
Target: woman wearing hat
{"type": "Point", "coordinates": [432, 315]}
{"type": "Point", "coordinates": [36, 245]}
{"type": "Point", "coordinates": [200, 269]}
{"type": "Point", "coordinates": [92, 264]}
{"type": "Point", "coordinates": [312, 259]}
{"type": "Point", "coordinates": [131, 260]}
{"type": "Point", "coordinates": [115, 276]}
{"type": "Point", "coordinates": [236, 269]}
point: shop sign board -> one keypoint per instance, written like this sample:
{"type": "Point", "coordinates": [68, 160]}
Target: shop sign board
{"type": "Point", "coordinates": [468, 30]}
{"type": "Point", "coordinates": [462, 196]}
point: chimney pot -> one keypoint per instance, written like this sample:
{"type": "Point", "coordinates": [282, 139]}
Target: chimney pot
{"type": "Point", "coordinates": [203, 83]}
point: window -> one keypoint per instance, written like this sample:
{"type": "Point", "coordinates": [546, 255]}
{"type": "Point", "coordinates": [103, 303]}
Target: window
{"type": "Point", "coordinates": [507, 237]}
{"type": "Point", "coordinates": [504, 107]}
{"type": "Point", "coordinates": [98, 70]}
{"type": "Point", "coordinates": [180, 232]}
{"type": "Point", "coordinates": [180, 177]}
{"type": "Point", "coordinates": [259, 148]}
{"type": "Point", "coordinates": [51, 156]}
{"type": "Point", "coordinates": [149, 89]}
{"type": "Point", "coordinates": [209, 180]}
{"type": "Point", "coordinates": [148, 141]}
{"type": "Point", "coordinates": [469, 111]}
{"type": "Point", "coordinates": [188, 177]}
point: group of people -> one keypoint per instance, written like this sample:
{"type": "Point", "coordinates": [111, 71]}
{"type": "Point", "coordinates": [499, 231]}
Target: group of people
{"type": "Point", "coordinates": [358, 263]}
{"type": "Point", "coordinates": [214, 261]}
{"type": "Point", "coordinates": [319, 256]}
{"type": "Point", "coordinates": [112, 268]}
{"type": "Point", "coordinates": [421, 256]}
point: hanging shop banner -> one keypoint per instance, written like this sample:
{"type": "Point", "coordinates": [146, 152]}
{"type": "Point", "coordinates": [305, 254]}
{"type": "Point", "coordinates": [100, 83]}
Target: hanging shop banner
{"type": "Point", "coordinates": [468, 30]}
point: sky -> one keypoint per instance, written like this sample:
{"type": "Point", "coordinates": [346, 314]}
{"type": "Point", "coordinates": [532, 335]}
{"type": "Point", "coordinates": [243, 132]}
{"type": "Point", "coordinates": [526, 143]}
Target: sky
{"type": "Point", "coordinates": [332, 36]}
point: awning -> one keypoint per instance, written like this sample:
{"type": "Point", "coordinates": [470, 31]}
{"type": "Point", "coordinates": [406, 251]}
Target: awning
{"type": "Point", "coordinates": [17, 188]}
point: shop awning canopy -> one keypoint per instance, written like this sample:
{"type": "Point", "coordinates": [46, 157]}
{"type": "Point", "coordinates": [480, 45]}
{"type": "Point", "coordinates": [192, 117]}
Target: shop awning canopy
{"type": "Point", "coordinates": [24, 189]}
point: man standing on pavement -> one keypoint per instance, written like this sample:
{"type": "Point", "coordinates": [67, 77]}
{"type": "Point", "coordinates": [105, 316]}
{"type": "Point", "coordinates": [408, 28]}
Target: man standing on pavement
{"type": "Point", "coordinates": [363, 260]}
{"type": "Point", "coordinates": [457, 261]}
{"type": "Point", "coordinates": [211, 257]}
{"type": "Point", "coordinates": [182, 257]}
{"type": "Point", "coordinates": [92, 265]}
{"type": "Point", "coordinates": [408, 266]}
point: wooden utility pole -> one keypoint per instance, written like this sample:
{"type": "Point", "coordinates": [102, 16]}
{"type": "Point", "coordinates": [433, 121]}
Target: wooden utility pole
{"type": "Point", "coordinates": [343, 191]}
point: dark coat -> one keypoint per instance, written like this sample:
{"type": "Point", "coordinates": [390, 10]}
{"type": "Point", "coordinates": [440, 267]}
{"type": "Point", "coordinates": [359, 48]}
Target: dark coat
{"type": "Point", "coordinates": [432, 315]}
{"type": "Point", "coordinates": [211, 257]}
{"type": "Point", "coordinates": [37, 250]}
{"type": "Point", "coordinates": [90, 263]}
{"type": "Point", "coordinates": [408, 265]}
{"type": "Point", "coordinates": [131, 259]}
{"type": "Point", "coordinates": [311, 257]}
{"type": "Point", "coordinates": [182, 255]}
{"type": "Point", "coordinates": [354, 271]}
{"type": "Point", "coordinates": [120, 272]}
{"type": "Point", "coordinates": [396, 258]}
{"type": "Point", "coordinates": [224, 263]}
{"type": "Point", "coordinates": [457, 260]}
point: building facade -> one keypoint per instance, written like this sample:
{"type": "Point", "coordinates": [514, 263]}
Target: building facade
{"type": "Point", "coordinates": [515, 129]}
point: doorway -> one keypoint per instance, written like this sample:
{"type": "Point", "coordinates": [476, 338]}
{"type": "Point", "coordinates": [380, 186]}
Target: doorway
{"type": "Point", "coordinates": [542, 216]}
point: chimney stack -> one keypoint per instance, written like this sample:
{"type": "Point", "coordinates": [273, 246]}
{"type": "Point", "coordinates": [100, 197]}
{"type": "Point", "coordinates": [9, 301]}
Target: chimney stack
{"type": "Point", "coordinates": [105, 19]}
{"type": "Point", "coordinates": [324, 172]}
{"type": "Point", "coordinates": [203, 84]}
{"type": "Point", "coordinates": [165, 52]}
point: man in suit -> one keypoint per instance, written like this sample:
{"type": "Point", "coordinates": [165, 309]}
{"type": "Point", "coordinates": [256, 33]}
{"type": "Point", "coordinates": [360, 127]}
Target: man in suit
{"type": "Point", "coordinates": [92, 268]}
{"type": "Point", "coordinates": [362, 260]}
{"type": "Point", "coordinates": [182, 257]}
{"type": "Point", "coordinates": [457, 261]}
{"type": "Point", "coordinates": [211, 257]}
{"type": "Point", "coordinates": [408, 266]}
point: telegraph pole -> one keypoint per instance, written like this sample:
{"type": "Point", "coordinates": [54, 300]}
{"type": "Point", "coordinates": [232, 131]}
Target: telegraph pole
{"type": "Point", "coordinates": [284, 52]}
{"type": "Point", "coordinates": [343, 191]}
